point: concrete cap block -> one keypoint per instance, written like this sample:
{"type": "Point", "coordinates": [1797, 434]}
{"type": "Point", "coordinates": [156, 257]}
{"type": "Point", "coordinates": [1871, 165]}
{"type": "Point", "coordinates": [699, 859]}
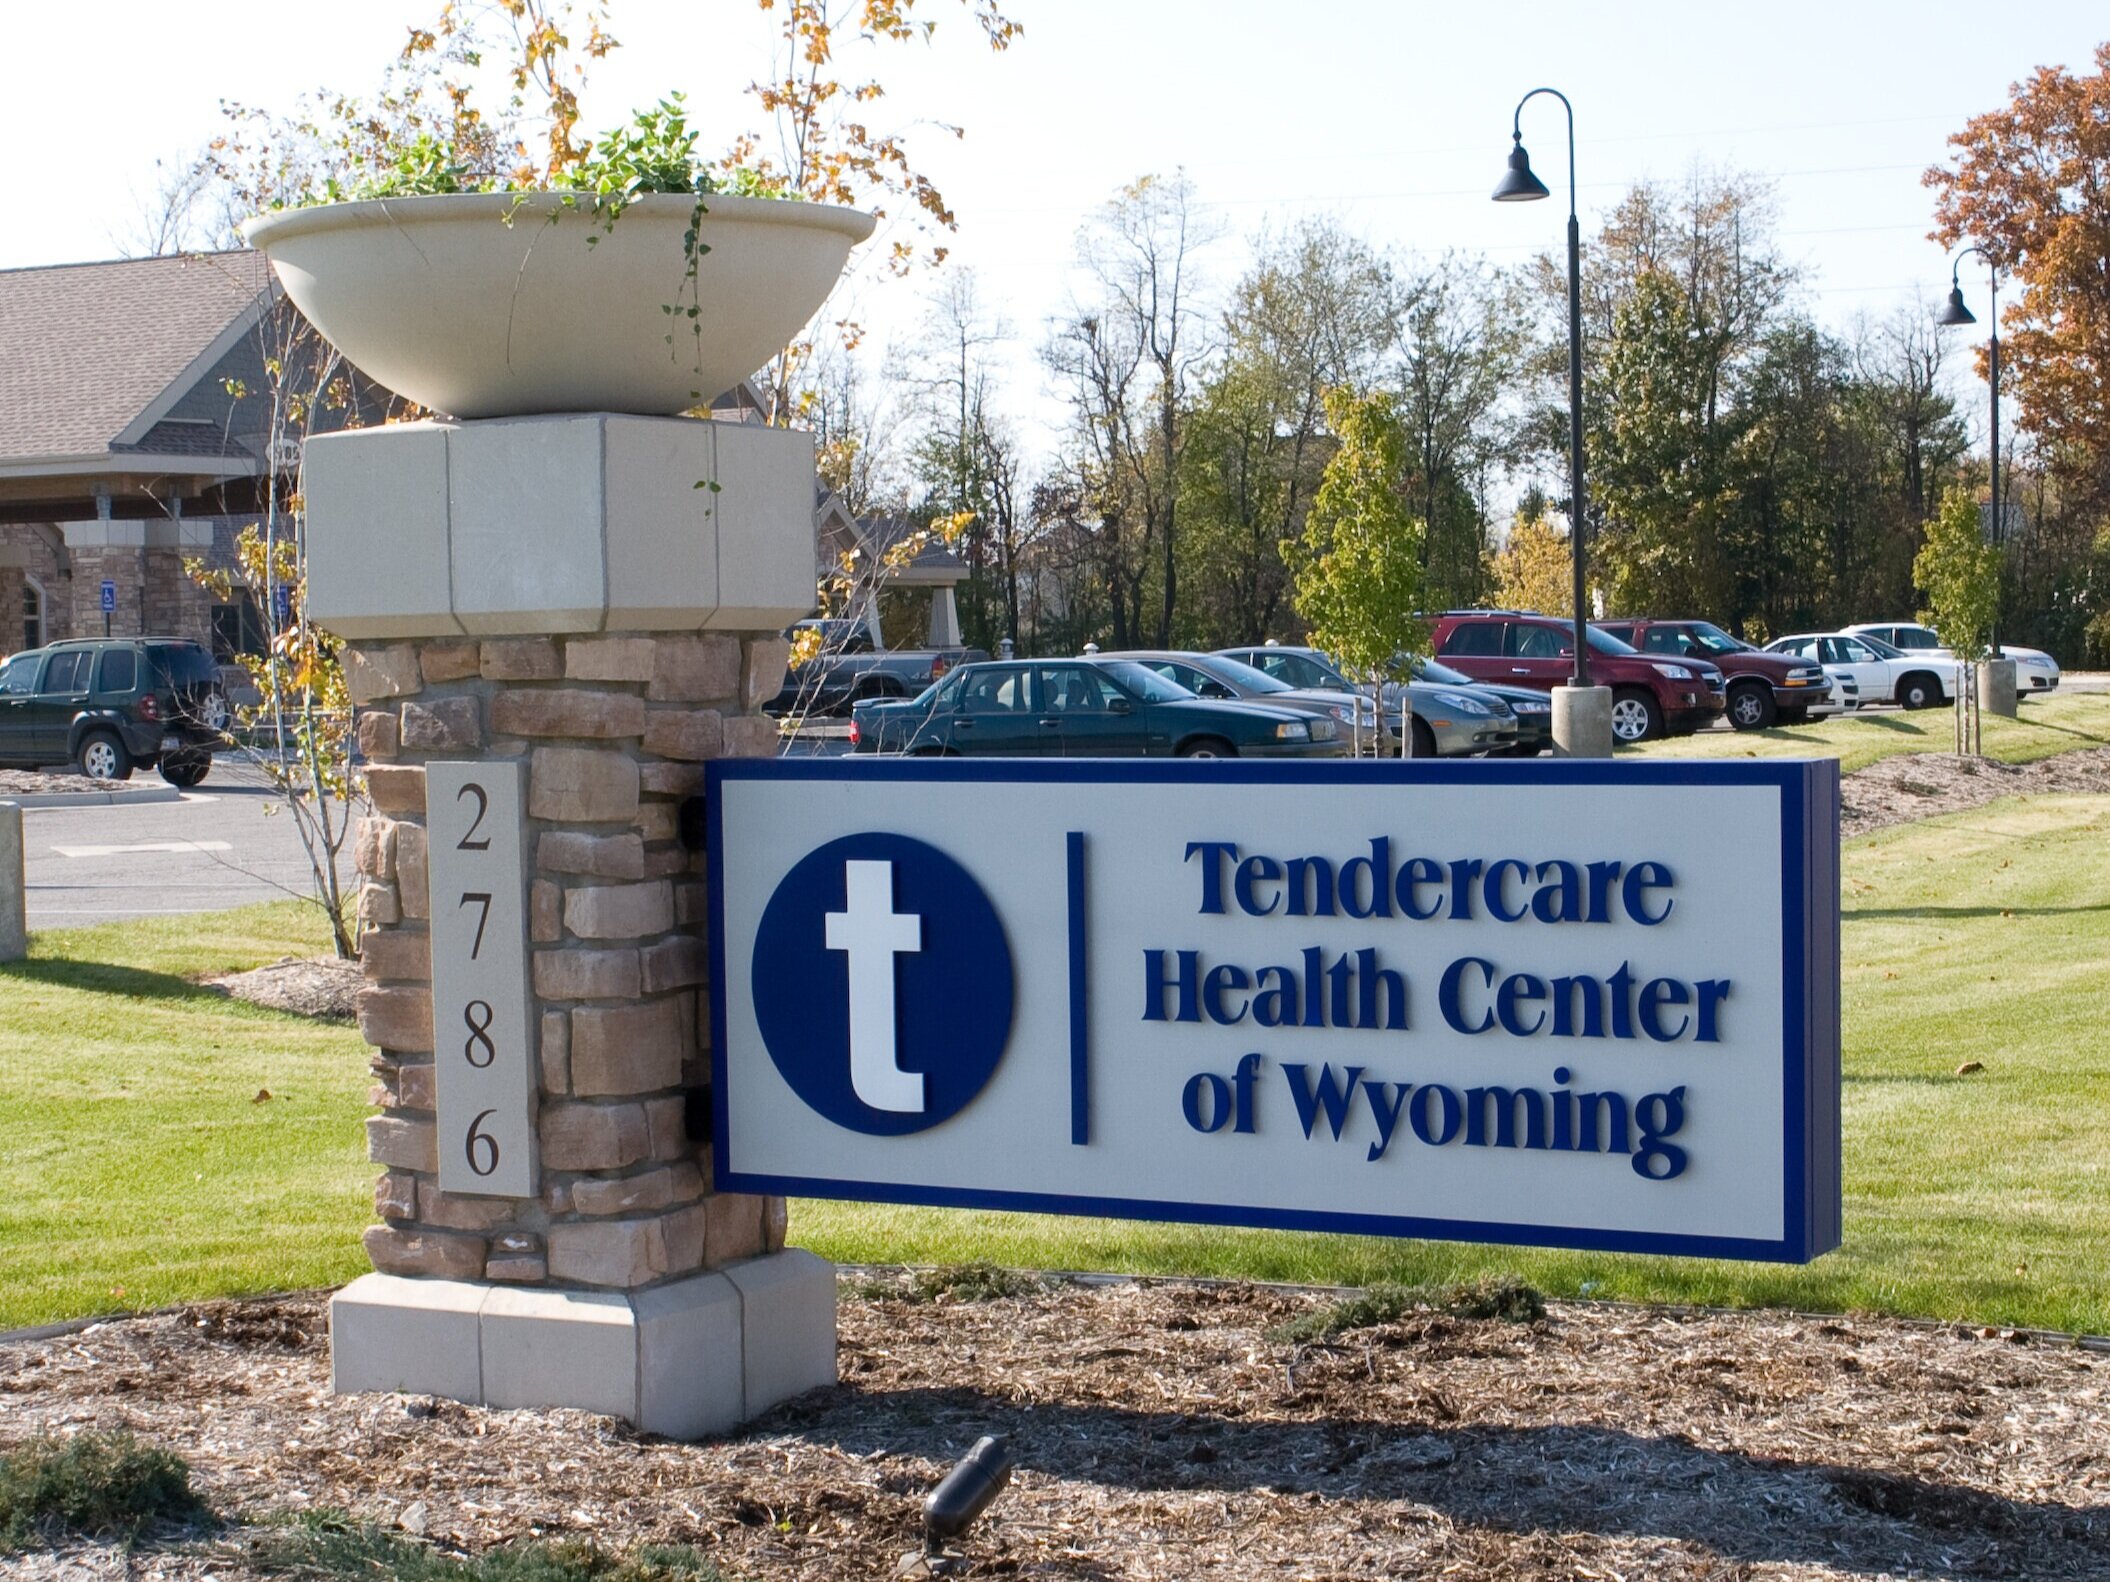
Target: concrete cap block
{"type": "Point", "coordinates": [421, 1337]}
{"type": "Point", "coordinates": [377, 531]}
{"type": "Point", "coordinates": [787, 1315]}
{"type": "Point", "coordinates": [560, 1348]}
{"type": "Point", "coordinates": [690, 1379]}
{"type": "Point", "coordinates": [524, 504]}
{"type": "Point", "coordinates": [662, 521]}
{"type": "Point", "coordinates": [766, 530]}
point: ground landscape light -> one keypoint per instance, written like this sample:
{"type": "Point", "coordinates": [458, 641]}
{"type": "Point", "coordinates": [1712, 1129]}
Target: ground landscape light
{"type": "Point", "coordinates": [966, 1492]}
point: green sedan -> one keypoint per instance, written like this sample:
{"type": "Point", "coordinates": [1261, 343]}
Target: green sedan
{"type": "Point", "coordinates": [1082, 708]}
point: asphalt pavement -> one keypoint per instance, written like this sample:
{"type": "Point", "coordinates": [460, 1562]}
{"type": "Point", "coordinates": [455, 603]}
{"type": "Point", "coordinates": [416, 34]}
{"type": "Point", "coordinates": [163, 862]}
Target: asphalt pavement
{"type": "Point", "coordinates": [218, 846]}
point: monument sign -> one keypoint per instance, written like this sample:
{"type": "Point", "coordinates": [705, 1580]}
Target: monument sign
{"type": "Point", "coordinates": [1537, 1003]}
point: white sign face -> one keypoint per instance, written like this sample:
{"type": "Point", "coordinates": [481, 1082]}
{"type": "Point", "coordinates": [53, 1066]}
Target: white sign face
{"type": "Point", "coordinates": [1568, 1004]}
{"type": "Point", "coordinates": [480, 1023]}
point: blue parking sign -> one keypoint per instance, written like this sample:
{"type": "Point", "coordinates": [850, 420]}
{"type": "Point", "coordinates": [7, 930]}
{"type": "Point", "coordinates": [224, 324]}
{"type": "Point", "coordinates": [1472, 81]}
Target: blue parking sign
{"type": "Point", "coordinates": [109, 597]}
{"type": "Point", "coordinates": [282, 603]}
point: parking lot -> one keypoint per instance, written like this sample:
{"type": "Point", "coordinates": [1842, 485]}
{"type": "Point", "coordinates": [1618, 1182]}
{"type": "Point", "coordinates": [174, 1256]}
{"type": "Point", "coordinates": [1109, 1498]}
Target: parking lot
{"type": "Point", "coordinates": [219, 846]}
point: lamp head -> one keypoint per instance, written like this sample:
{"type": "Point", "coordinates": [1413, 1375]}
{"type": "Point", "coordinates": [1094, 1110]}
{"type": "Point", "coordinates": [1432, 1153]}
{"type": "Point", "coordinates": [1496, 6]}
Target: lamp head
{"type": "Point", "coordinates": [1518, 184]}
{"type": "Point", "coordinates": [1953, 311]}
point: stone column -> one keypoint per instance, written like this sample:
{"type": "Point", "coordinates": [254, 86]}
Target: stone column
{"type": "Point", "coordinates": [587, 570]}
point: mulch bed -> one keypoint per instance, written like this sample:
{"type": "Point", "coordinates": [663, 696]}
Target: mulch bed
{"type": "Point", "coordinates": [320, 986]}
{"type": "Point", "coordinates": [33, 782]}
{"type": "Point", "coordinates": [1919, 785]}
{"type": "Point", "coordinates": [1160, 1433]}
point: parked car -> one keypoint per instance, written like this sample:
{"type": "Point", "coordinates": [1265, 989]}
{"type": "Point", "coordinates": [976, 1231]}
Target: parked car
{"type": "Point", "coordinates": [1053, 708]}
{"type": "Point", "coordinates": [2035, 670]}
{"type": "Point", "coordinates": [851, 667]}
{"type": "Point", "coordinates": [1651, 695]}
{"type": "Point", "coordinates": [1214, 676]}
{"type": "Point", "coordinates": [1453, 714]}
{"type": "Point", "coordinates": [1883, 674]}
{"type": "Point", "coordinates": [108, 705]}
{"type": "Point", "coordinates": [1764, 689]}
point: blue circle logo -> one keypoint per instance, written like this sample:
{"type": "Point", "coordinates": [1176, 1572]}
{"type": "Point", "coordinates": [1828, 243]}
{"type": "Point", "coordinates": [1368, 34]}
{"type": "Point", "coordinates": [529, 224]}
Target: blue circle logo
{"type": "Point", "coordinates": [882, 984]}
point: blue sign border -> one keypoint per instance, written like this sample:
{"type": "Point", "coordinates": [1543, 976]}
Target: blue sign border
{"type": "Point", "coordinates": [1810, 1054]}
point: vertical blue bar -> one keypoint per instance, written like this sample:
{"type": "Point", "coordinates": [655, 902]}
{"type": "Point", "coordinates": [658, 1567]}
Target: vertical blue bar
{"type": "Point", "coordinates": [1080, 1054]}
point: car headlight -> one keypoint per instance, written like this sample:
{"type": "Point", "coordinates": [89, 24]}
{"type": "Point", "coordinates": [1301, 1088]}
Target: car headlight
{"type": "Point", "coordinates": [1298, 731]}
{"type": "Point", "coordinates": [1462, 703]}
{"type": "Point", "coordinates": [1532, 707]}
{"type": "Point", "coordinates": [1344, 712]}
{"type": "Point", "coordinates": [1675, 672]}
{"type": "Point", "coordinates": [1809, 676]}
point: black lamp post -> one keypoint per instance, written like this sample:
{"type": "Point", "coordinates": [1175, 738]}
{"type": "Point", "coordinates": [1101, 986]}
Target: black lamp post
{"type": "Point", "coordinates": [1953, 312]}
{"type": "Point", "coordinates": [1519, 185]}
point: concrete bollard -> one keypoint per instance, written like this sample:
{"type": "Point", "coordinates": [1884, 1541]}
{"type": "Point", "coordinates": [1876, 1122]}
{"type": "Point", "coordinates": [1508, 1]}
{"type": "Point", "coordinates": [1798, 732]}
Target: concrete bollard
{"type": "Point", "coordinates": [1582, 722]}
{"type": "Point", "coordinates": [14, 916]}
{"type": "Point", "coordinates": [1996, 687]}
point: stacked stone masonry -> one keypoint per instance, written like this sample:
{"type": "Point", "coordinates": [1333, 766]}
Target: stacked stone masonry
{"type": "Point", "coordinates": [614, 730]}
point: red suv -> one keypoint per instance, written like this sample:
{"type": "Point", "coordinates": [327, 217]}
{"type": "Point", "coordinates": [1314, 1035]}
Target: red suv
{"type": "Point", "coordinates": [1649, 695]}
{"type": "Point", "coordinates": [1763, 687]}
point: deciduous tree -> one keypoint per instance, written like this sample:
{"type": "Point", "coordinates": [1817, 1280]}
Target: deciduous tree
{"type": "Point", "coordinates": [2031, 185]}
{"type": "Point", "coordinates": [1358, 563]}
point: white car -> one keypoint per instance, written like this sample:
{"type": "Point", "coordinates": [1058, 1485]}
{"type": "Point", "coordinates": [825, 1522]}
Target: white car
{"type": "Point", "coordinates": [2035, 670]}
{"type": "Point", "coordinates": [1882, 674]}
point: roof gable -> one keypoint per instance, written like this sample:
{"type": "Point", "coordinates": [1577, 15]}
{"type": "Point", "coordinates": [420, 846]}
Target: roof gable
{"type": "Point", "coordinates": [89, 350]}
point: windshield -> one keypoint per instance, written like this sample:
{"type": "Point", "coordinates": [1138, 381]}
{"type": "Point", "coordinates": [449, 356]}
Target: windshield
{"type": "Point", "coordinates": [1431, 670]}
{"type": "Point", "coordinates": [1242, 676]}
{"type": "Point", "coordinates": [1883, 649]}
{"type": "Point", "coordinates": [1715, 640]}
{"type": "Point", "coordinates": [1604, 643]}
{"type": "Point", "coordinates": [1146, 684]}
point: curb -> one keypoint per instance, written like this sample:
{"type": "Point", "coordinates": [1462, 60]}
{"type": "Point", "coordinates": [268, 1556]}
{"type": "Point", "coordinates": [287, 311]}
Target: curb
{"type": "Point", "coordinates": [47, 799]}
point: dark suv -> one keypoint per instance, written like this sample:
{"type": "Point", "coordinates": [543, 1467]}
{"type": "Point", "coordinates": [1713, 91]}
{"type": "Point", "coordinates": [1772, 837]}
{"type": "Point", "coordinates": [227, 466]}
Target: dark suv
{"type": "Point", "coordinates": [109, 704]}
{"type": "Point", "coordinates": [1650, 695]}
{"type": "Point", "coordinates": [1763, 687]}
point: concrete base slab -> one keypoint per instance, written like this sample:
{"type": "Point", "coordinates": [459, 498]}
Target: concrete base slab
{"type": "Point", "coordinates": [691, 1358]}
{"type": "Point", "coordinates": [1996, 688]}
{"type": "Point", "coordinates": [1582, 722]}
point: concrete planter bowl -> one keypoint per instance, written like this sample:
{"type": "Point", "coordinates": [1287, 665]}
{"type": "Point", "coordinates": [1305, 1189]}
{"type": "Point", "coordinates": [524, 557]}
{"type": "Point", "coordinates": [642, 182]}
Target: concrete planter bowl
{"type": "Point", "coordinates": [498, 304]}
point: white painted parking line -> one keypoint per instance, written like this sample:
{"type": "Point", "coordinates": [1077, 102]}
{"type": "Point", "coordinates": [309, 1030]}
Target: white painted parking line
{"type": "Point", "coordinates": [143, 846]}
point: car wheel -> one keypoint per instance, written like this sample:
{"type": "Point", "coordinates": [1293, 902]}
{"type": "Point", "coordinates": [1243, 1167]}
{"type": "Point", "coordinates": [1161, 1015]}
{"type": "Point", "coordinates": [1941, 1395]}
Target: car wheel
{"type": "Point", "coordinates": [1751, 708]}
{"type": "Point", "coordinates": [1207, 747]}
{"type": "Point", "coordinates": [1919, 691]}
{"type": "Point", "coordinates": [213, 712]}
{"type": "Point", "coordinates": [928, 752]}
{"type": "Point", "coordinates": [1424, 740]}
{"type": "Point", "coordinates": [103, 757]}
{"type": "Point", "coordinates": [1635, 717]}
{"type": "Point", "coordinates": [184, 770]}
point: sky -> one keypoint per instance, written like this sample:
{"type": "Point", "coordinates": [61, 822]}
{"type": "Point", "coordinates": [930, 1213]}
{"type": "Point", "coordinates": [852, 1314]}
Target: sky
{"type": "Point", "coordinates": [1392, 116]}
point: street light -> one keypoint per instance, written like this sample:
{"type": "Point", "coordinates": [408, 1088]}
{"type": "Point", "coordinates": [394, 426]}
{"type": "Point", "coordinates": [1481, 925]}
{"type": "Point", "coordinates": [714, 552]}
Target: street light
{"type": "Point", "coordinates": [1519, 185]}
{"type": "Point", "coordinates": [1953, 313]}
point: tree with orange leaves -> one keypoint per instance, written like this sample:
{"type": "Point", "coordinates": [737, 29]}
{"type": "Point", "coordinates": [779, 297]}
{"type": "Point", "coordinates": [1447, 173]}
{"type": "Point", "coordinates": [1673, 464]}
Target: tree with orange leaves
{"type": "Point", "coordinates": [2031, 186]}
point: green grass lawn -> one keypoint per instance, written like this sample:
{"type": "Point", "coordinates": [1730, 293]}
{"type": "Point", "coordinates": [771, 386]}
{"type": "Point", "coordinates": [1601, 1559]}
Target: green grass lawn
{"type": "Point", "coordinates": [137, 1170]}
{"type": "Point", "coordinates": [139, 1167]}
{"type": "Point", "coordinates": [2045, 726]}
{"type": "Point", "coordinates": [1981, 936]}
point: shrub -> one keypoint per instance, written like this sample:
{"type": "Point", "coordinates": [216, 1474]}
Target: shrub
{"type": "Point", "coordinates": [94, 1484]}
